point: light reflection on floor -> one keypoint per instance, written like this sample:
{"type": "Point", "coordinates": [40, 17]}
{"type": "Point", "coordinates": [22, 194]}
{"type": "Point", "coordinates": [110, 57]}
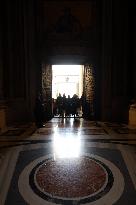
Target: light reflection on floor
{"type": "Point", "coordinates": [69, 162]}
{"type": "Point", "coordinates": [66, 147]}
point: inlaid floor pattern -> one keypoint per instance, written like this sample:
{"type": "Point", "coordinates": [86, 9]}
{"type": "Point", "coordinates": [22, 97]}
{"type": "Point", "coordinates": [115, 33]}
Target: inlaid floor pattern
{"type": "Point", "coordinates": [68, 162]}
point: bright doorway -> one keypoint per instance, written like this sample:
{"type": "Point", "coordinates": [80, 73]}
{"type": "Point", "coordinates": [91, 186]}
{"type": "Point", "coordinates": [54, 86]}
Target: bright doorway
{"type": "Point", "coordinates": [67, 79]}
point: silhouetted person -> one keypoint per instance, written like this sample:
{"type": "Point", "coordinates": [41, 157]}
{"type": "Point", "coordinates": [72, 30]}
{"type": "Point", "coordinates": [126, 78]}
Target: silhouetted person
{"type": "Point", "coordinates": [75, 105]}
{"type": "Point", "coordinates": [68, 106]}
{"type": "Point", "coordinates": [54, 105]}
{"type": "Point", "coordinates": [39, 112]}
{"type": "Point", "coordinates": [59, 102]}
{"type": "Point", "coordinates": [63, 104]}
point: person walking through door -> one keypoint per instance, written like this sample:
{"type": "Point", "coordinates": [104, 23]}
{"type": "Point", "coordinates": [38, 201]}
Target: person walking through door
{"type": "Point", "coordinates": [39, 111]}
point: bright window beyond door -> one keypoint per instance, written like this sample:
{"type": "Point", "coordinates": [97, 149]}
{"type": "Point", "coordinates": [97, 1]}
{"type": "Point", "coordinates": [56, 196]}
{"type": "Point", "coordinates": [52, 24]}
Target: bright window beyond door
{"type": "Point", "coordinates": [67, 79]}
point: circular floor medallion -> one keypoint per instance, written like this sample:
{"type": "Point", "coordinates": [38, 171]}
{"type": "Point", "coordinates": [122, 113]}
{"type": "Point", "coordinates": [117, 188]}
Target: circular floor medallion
{"type": "Point", "coordinates": [81, 180]}
{"type": "Point", "coordinates": [70, 178]}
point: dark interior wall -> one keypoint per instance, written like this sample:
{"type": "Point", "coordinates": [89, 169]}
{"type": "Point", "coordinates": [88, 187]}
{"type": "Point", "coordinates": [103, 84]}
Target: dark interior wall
{"type": "Point", "coordinates": [1, 64]}
{"type": "Point", "coordinates": [108, 41]}
{"type": "Point", "coordinates": [104, 43]}
{"type": "Point", "coordinates": [120, 53]}
{"type": "Point", "coordinates": [110, 47]}
{"type": "Point", "coordinates": [59, 42]}
{"type": "Point", "coordinates": [132, 51]}
{"type": "Point", "coordinates": [134, 64]}
{"type": "Point", "coordinates": [114, 60]}
{"type": "Point", "coordinates": [106, 58]}
{"type": "Point", "coordinates": [61, 46]}
{"type": "Point", "coordinates": [19, 59]}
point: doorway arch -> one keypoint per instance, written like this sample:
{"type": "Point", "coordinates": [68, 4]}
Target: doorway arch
{"type": "Point", "coordinates": [88, 90]}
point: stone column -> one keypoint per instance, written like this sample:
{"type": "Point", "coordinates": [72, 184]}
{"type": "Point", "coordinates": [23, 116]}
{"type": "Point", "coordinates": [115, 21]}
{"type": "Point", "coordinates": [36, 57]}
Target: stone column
{"type": "Point", "coordinates": [106, 58]}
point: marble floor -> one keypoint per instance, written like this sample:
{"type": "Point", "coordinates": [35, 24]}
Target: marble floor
{"type": "Point", "coordinates": [68, 162]}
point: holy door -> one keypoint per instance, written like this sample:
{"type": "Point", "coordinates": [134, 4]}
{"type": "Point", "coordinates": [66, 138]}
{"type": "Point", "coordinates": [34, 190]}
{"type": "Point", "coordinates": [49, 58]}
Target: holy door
{"type": "Point", "coordinates": [47, 89]}
{"type": "Point", "coordinates": [89, 91]}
